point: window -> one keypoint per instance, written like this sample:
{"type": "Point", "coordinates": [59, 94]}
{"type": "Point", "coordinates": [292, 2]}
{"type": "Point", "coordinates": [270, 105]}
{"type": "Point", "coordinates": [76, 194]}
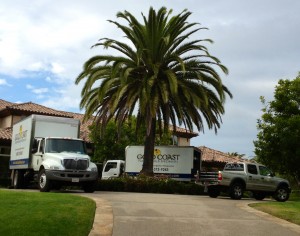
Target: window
{"type": "Point", "coordinates": [42, 144]}
{"type": "Point", "coordinates": [264, 171]}
{"type": "Point", "coordinates": [252, 169]}
{"type": "Point", "coordinates": [111, 165]}
{"type": "Point", "coordinates": [234, 166]}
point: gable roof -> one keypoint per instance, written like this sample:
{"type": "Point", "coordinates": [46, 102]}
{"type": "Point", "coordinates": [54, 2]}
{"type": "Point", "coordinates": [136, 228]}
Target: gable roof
{"type": "Point", "coordinates": [28, 108]}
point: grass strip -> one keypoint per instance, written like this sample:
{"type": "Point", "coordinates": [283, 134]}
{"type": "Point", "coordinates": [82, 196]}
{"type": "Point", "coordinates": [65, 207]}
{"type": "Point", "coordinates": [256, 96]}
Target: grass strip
{"type": "Point", "coordinates": [35, 213]}
{"type": "Point", "coordinates": [289, 210]}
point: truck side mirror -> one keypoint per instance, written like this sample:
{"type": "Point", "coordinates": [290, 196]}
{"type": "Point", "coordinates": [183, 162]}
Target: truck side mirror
{"type": "Point", "coordinates": [33, 150]}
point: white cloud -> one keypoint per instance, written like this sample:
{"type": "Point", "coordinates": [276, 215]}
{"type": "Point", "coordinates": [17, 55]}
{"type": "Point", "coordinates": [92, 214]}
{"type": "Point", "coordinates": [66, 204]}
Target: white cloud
{"type": "Point", "coordinates": [4, 82]}
{"type": "Point", "coordinates": [40, 90]}
{"type": "Point", "coordinates": [29, 86]}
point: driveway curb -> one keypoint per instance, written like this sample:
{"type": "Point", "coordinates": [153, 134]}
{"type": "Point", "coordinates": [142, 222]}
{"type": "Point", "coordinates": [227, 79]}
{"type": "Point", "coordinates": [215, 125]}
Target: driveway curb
{"type": "Point", "coordinates": [103, 221]}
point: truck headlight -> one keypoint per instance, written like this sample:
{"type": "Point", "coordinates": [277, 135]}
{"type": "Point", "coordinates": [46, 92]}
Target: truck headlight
{"type": "Point", "coordinates": [54, 167]}
{"type": "Point", "coordinates": [94, 169]}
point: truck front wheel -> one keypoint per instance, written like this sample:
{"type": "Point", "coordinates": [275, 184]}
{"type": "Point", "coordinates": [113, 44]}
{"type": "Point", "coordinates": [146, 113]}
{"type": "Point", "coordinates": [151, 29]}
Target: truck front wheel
{"type": "Point", "coordinates": [236, 191]}
{"type": "Point", "coordinates": [89, 187]}
{"type": "Point", "coordinates": [281, 194]}
{"type": "Point", "coordinates": [44, 183]}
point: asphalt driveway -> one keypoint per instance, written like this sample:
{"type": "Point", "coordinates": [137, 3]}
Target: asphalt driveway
{"type": "Point", "coordinates": [171, 215]}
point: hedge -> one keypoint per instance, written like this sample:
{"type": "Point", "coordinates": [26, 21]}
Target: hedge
{"type": "Point", "coordinates": [150, 185]}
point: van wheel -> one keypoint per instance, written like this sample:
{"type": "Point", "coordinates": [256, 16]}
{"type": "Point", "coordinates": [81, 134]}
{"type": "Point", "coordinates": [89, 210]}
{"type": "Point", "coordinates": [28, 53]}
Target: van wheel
{"type": "Point", "coordinates": [236, 191]}
{"type": "Point", "coordinates": [44, 183]}
{"type": "Point", "coordinates": [281, 194]}
{"type": "Point", "coordinates": [18, 179]}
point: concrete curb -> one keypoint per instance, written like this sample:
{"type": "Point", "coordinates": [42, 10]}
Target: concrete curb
{"type": "Point", "coordinates": [103, 221]}
{"type": "Point", "coordinates": [284, 223]}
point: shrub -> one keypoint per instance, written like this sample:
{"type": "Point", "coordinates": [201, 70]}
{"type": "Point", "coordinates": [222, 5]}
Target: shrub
{"type": "Point", "coordinates": [150, 185]}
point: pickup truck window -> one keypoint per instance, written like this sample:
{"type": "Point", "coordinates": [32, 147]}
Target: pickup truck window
{"type": "Point", "coordinates": [234, 167]}
{"type": "Point", "coordinates": [264, 171]}
{"type": "Point", "coordinates": [252, 169]}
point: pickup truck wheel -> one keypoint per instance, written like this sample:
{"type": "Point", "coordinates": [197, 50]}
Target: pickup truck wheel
{"type": "Point", "coordinates": [18, 179]}
{"type": "Point", "coordinates": [44, 183]}
{"type": "Point", "coordinates": [281, 194]}
{"type": "Point", "coordinates": [236, 191]}
{"type": "Point", "coordinates": [213, 193]}
{"type": "Point", "coordinates": [259, 195]}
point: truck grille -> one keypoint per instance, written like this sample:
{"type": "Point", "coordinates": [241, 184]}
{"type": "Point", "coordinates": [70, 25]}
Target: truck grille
{"type": "Point", "coordinates": [72, 164]}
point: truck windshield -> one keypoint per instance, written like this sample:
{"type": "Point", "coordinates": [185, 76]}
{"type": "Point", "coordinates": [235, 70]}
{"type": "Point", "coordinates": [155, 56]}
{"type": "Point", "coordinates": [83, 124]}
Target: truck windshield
{"type": "Point", "coordinates": [65, 145]}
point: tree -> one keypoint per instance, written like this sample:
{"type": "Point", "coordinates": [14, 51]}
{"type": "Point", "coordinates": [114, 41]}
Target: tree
{"type": "Point", "coordinates": [112, 143]}
{"type": "Point", "coordinates": [236, 154]}
{"type": "Point", "coordinates": [159, 74]}
{"type": "Point", "coordinates": [278, 139]}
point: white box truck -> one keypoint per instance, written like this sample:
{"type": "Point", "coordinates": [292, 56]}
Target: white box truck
{"type": "Point", "coordinates": [48, 150]}
{"type": "Point", "coordinates": [176, 162]}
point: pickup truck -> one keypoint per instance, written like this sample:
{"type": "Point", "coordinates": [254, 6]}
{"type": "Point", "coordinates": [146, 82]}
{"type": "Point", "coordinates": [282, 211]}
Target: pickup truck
{"type": "Point", "coordinates": [238, 177]}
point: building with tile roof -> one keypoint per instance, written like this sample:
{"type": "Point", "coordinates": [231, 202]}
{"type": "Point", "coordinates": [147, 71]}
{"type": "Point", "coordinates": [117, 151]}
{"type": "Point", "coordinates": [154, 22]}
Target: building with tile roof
{"type": "Point", "coordinates": [10, 113]}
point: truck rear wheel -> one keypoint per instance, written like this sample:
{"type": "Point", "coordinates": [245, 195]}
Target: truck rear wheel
{"type": "Point", "coordinates": [18, 179]}
{"type": "Point", "coordinates": [213, 192]}
{"type": "Point", "coordinates": [44, 182]}
{"type": "Point", "coordinates": [236, 191]}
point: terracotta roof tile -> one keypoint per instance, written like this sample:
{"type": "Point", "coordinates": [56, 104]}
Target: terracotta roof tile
{"type": "Point", "coordinates": [5, 134]}
{"type": "Point", "coordinates": [211, 155]}
{"type": "Point", "coordinates": [36, 109]}
{"type": "Point", "coordinates": [4, 104]}
{"type": "Point", "coordinates": [184, 132]}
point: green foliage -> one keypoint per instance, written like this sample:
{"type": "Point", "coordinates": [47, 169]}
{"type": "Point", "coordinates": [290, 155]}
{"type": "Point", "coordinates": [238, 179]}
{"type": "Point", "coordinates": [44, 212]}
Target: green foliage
{"type": "Point", "coordinates": [28, 213]}
{"type": "Point", "coordinates": [278, 139]}
{"type": "Point", "coordinates": [161, 75]}
{"type": "Point", "coordinates": [150, 185]}
{"type": "Point", "coordinates": [111, 144]}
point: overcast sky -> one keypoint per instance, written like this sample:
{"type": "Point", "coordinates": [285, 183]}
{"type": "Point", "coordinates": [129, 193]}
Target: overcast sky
{"type": "Point", "coordinates": [43, 45]}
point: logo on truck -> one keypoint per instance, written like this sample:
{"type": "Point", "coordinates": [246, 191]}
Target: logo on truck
{"type": "Point", "coordinates": [21, 136]}
{"type": "Point", "coordinates": [161, 157]}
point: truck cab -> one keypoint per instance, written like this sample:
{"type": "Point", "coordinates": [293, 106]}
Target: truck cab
{"type": "Point", "coordinates": [113, 169]}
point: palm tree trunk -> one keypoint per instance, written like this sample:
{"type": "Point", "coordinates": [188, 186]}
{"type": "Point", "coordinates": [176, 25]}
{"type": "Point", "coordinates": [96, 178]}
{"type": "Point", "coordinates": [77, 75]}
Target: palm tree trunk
{"type": "Point", "coordinates": [149, 150]}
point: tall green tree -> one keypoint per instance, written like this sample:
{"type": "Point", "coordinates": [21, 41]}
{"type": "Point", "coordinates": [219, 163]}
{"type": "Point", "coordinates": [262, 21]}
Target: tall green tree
{"type": "Point", "coordinates": [111, 144]}
{"type": "Point", "coordinates": [161, 74]}
{"type": "Point", "coordinates": [278, 139]}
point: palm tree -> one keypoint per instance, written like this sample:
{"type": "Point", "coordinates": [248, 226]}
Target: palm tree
{"type": "Point", "coordinates": [159, 75]}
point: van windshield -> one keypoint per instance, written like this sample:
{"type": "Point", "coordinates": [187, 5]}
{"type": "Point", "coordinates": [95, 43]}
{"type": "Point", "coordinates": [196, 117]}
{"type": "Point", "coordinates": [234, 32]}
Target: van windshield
{"type": "Point", "coordinates": [65, 145]}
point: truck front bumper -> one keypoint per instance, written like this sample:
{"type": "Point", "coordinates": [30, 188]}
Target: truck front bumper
{"type": "Point", "coordinates": [72, 176]}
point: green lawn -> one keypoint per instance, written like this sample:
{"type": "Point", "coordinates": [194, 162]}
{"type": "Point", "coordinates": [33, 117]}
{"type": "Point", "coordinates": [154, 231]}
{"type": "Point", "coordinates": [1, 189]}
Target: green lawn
{"type": "Point", "coordinates": [35, 213]}
{"type": "Point", "coordinates": [289, 210]}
